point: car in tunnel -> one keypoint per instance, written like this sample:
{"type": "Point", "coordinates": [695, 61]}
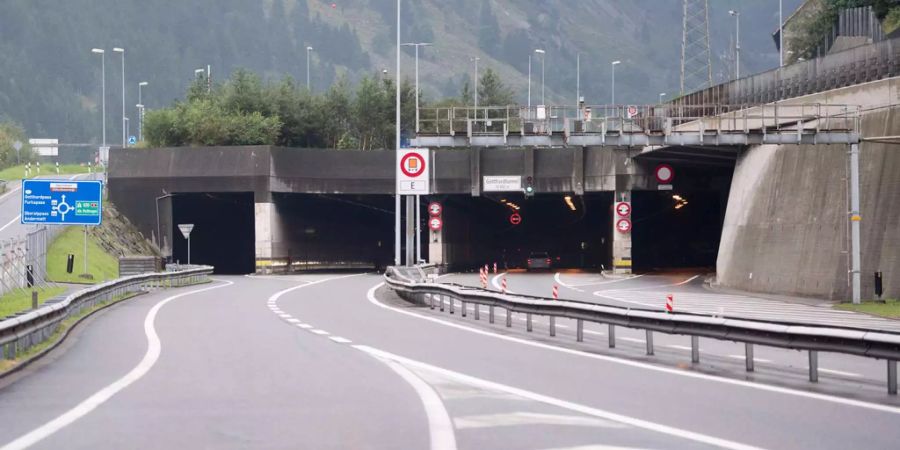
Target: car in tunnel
{"type": "Point", "coordinates": [539, 261]}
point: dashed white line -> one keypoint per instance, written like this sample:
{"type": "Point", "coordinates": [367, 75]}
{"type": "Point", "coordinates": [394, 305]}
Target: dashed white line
{"type": "Point", "coordinates": [305, 326]}
{"type": "Point", "coordinates": [340, 340]}
{"type": "Point", "coordinates": [15, 219]}
{"type": "Point", "coordinates": [293, 320]}
{"type": "Point", "coordinates": [319, 332]}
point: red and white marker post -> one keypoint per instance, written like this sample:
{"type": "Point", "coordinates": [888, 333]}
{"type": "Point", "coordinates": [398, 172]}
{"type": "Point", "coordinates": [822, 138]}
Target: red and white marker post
{"type": "Point", "coordinates": [670, 303]}
{"type": "Point", "coordinates": [503, 285]}
{"type": "Point", "coordinates": [555, 292]}
{"type": "Point", "coordinates": [483, 274]}
{"type": "Point", "coordinates": [495, 268]}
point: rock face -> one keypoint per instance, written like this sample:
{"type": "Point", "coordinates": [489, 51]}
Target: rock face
{"type": "Point", "coordinates": [119, 237]}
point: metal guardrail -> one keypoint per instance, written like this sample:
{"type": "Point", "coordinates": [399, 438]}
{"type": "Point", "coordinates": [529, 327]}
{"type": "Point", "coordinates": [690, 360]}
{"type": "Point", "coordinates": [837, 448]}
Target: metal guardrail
{"type": "Point", "coordinates": [411, 285]}
{"type": "Point", "coordinates": [21, 332]}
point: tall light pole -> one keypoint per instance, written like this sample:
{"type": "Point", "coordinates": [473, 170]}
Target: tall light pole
{"type": "Point", "coordinates": [577, 81]}
{"type": "Point", "coordinates": [476, 59]}
{"type": "Point", "coordinates": [417, 45]}
{"type": "Point", "coordinates": [737, 43]}
{"type": "Point", "coordinates": [529, 81]}
{"type": "Point", "coordinates": [614, 64]}
{"type": "Point", "coordinates": [780, 34]}
{"type": "Point", "coordinates": [397, 260]}
{"type": "Point", "coordinates": [308, 49]}
{"type": "Point", "coordinates": [102, 54]}
{"type": "Point", "coordinates": [140, 106]}
{"type": "Point", "coordinates": [124, 132]}
{"type": "Point", "coordinates": [661, 95]}
{"type": "Point", "coordinates": [543, 59]}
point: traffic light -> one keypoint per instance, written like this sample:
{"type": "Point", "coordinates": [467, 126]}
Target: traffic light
{"type": "Point", "coordinates": [529, 186]}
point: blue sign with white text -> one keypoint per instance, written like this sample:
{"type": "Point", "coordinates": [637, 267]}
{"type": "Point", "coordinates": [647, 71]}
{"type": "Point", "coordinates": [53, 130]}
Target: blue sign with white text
{"type": "Point", "coordinates": [62, 202]}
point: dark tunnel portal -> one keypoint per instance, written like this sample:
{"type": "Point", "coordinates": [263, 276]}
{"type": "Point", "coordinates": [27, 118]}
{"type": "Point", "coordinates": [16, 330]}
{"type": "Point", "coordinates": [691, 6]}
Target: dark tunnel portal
{"type": "Point", "coordinates": [223, 234]}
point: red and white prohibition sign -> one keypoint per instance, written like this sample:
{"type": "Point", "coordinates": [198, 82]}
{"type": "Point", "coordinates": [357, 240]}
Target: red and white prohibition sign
{"type": "Point", "coordinates": [435, 224]}
{"type": "Point", "coordinates": [623, 209]}
{"type": "Point", "coordinates": [412, 165]}
{"type": "Point", "coordinates": [623, 225]}
{"type": "Point", "coordinates": [665, 174]}
{"type": "Point", "coordinates": [435, 209]}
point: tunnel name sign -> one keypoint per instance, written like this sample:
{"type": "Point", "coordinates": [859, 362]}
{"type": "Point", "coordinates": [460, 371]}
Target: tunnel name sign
{"type": "Point", "coordinates": [62, 202]}
{"type": "Point", "coordinates": [413, 166]}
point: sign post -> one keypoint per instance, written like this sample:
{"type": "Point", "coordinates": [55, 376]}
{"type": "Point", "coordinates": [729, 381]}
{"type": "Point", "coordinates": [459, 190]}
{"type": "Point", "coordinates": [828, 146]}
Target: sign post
{"type": "Point", "coordinates": [18, 146]}
{"type": "Point", "coordinates": [186, 229]}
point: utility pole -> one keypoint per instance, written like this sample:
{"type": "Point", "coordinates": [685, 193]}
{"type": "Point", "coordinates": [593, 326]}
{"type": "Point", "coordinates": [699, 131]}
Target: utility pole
{"type": "Point", "coordinates": [614, 64]}
{"type": "Point", "coordinates": [397, 260]}
{"type": "Point", "coordinates": [737, 43]}
{"type": "Point", "coordinates": [308, 49]}
{"type": "Point", "coordinates": [102, 54]}
{"type": "Point", "coordinates": [577, 81]}
{"type": "Point", "coordinates": [124, 132]}
{"type": "Point", "coordinates": [780, 33]}
{"type": "Point", "coordinates": [476, 59]}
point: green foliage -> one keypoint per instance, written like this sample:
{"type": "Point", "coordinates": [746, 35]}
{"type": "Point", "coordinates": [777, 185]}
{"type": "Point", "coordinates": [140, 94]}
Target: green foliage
{"type": "Point", "coordinates": [892, 20]}
{"type": "Point", "coordinates": [9, 134]}
{"type": "Point", "coordinates": [492, 91]}
{"type": "Point", "coordinates": [816, 28]}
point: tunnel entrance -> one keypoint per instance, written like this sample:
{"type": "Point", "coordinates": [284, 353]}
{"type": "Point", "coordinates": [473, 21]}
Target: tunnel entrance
{"type": "Point", "coordinates": [681, 228]}
{"type": "Point", "coordinates": [223, 234]}
{"type": "Point", "coordinates": [334, 231]}
{"type": "Point", "coordinates": [573, 230]}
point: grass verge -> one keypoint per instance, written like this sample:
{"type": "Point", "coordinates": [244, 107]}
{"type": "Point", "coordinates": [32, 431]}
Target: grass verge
{"type": "Point", "coordinates": [101, 265]}
{"type": "Point", "coordinates": [18, 172]}
{"type": "Point", "coordinates": [888, 308]}
{"type": "Point", "coordinates": [58, 335]}
{"type": "Point", "coordinates": [20, 300]}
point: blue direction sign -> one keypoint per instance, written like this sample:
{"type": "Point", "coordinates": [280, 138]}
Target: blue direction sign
{"type": "Point", "coordinates": [62, 202]}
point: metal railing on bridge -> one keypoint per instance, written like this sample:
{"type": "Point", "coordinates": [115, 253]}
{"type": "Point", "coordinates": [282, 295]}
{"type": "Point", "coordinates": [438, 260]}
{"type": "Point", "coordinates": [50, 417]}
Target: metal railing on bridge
{"type": "Point", "coordinates": [638, 125]}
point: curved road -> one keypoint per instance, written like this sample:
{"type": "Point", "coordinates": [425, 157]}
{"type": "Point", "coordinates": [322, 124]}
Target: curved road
{"type": "Point", "coordinates": [335, 361]}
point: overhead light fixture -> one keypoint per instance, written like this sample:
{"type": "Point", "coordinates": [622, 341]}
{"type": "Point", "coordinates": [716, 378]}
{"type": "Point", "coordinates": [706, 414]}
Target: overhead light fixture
{"type": "Point", "coordinates": [569, 202]}
{"type": "Point", "coordinates": [677, 197]}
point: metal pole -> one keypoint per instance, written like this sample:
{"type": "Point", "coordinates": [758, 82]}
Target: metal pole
{"type": "Point", "coordinates": [208, 78]}
{"type": "Point", "coordinates": [579, 330]}
{"type": "Point", "coordinates": [528, 322]}
{"type": "Point", "coordinates": [613, 83]}
{"type": "Point", "coordinates": [543, 64]}
{"type": "Point", "coordinates": [813, 366]}
{"type": "Point", "coordinates": [410, 231]}
{"type": "Point", "coordinates": [85, 250]}
{"type": "Point", "coordinates": [649, 335]}
{"type": "Point", "coordinates": [612, 336]}
{"type": "Point", "coordinates": [577, 81]}
{"type": "Point", "coordinates": [854, 223]}
{"type": "Point", "coordinates": [529, 81]}
{"type": "Point", "coordinates": [308, 49]}
{"type": "Point", "coordinates": [397, 138]}
{"type": "Point", "coordinates": [476, 86]}
{"type": "Point", "coordinates": [189, 249]}
{"type": "Point", "coordinates": [780, 34]}
{"type": "Point", "coordinates": [748, 349]}
{"type": "Point", "coordinates": [892, 377]}
{"type": "Point", "coordinates": [124, 131]}
{"type": "Point", "coordinates": [417, 111]}
{"type": "Point", "coordinates": [552, 326]}
{"type": "Point", "coordinates": [508, 318]}
{"type": "Point", "coordinates": [695, 349]}
{"type": "Point", "coordinates": [737, 64]}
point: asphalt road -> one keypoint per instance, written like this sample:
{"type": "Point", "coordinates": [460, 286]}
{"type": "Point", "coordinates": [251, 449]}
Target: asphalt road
{"type": "Point", "coordinates": [333, 361]}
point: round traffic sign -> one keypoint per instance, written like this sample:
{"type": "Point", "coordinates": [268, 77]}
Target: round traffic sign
{"type": "Point", "coordinates": [412, 165]}
{"type": "Point", "coordinates": [435, 209]}
{"type": "Point", "coordinates": [623, 225]}
{"type": "Point", "coordinates": [623, 209]}
{"type": "Point", "coordinates": [515, 219]}
{"type": "Point", "coordinates": [664, 173]}
{"type": "Point", "coordinates": [435, 223]}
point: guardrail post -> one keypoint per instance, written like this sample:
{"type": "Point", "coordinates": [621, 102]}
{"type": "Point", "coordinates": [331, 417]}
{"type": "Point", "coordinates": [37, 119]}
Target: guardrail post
{"type": "Point", "coordinates": [892, 377]}
{"type": "Point", "coordinates": [528, 322]}
{"type": "Point", "coordinates": [579, 330]}
{"type": "Point", "coordinates": [649, 343]}
{"type": "Point", "coordinates": [491, 314]}
{"type": "Point", "coordinates": [695, 349]}
{"type": "Point", "coordinates": [508, 318]}
{"type": "Point", "coordinates": [552, 326]}
{"type": "Point", "coordinates": [430, 301]}
{"type": "Point", "coordinates": [748, 350]}
{"type": "Point", "coordinates": [814, 366]}
{"type": "Point", "coordinates": [450, 300]}
{"type": "Point", "coordinates": [462, 308]}
{"type": "Point", "coordinates": [441, 302]}
{"type": "Point", "coordinates": [477, 311]}
{"type": "Point", "coordinates": [612, 336]}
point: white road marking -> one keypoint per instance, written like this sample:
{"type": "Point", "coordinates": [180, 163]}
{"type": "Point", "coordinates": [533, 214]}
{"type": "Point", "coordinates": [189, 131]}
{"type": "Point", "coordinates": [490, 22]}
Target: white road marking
{"type": "Point", "coordinates": [638, 364]}
{"type": "Point", "coordinates": [630, 339]}
{"type": "Point", "coordinates": [410, 364]}
{"type": "Point", "coordinates": [840, 373]}
{"type": "Point", "coordinates": [154, 347]}
{"type": "Point", "coordinates": [15, 220]}
{"type": "Point", "coordinates": [679, 347]}
{"type": "Point", "coordinates": [285, 315]}
{"type": "Point", "coordinates": [440, 427]}
{"type": "Point", "coordinates": [680, 283]}
{"type": "Point", "coordinates": [319, 332]}
{"type": "Point", "coordinates": [558, 279]}
{"type": "Point", "coordinates": [759, 360]}
{"type": "Point", "coordinates": [495, 281]}
{"type": "Point", "coordinates": [305, 326]}
{"type": "Point", "coordinates": [520, 418]}
{"type": "Point", "coordinates": [11, 192]}
{"type": "Point", "coordinates": [340, 340]}
{"type": "Point", "coordinates": [292, 320]}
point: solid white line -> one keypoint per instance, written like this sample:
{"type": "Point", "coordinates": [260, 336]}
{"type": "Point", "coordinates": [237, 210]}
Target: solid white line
{"type": "Point", "coordinates": [305, 326]}
{"type": "Point", "coordinates": [583, 409]}
{"type": "Point", "coordinates": [759, 360]}
{"type": "Point", "coordinates": [629, 339]}
{"type": "Point", "coordinates": [292, 320]}
{"type": "Point", "coordinates": [574, 286]}
{"type": "Point", "coordinates": [15, 220]}
{"type": "Point", "coordinates": [320, 332]}
{"type": "Point", "coordinates": [495, 281]}
{"type": "Point", "coordinates": [340, 340]}
{"type": "Point", "coordinates": [678, 347]}
{"type": "Point", "coordinates": [440, 427]}
{"type": "Point", "coordinates": [681, 283]}
{"type": "Point", "coordinates": [700, 376]}
{"type": "Point", "coordinates": [154, 347]}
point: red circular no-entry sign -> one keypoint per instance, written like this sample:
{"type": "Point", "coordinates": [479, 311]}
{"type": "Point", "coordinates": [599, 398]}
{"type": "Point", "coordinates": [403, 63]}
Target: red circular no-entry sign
{"type": "Point", "coordinates": [623, 225]}
{"type": "Point", "coordinates": [623, 209]}
{"type": "Point", "coordinates": [515, 219]}
{"type": "Point", "coordinates": [664, 173]}
{"type": "Point", "coordinates": [435, 223]}
{"type": "Point", "coordinates": [412, 165]}
{"type": "Point", "coordinates": [435, 209]}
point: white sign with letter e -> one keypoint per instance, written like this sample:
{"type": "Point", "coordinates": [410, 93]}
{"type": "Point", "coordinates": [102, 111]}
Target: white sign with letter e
{"type": "Point", "coordinates": [413, 167]}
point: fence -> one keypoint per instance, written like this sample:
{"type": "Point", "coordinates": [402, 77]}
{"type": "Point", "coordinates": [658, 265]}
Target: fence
{"type": "Point", "coordinates": [17, 255]}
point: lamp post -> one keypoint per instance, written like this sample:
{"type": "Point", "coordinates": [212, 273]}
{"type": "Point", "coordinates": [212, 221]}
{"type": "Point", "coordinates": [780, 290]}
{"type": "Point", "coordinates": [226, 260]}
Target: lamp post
{"type": "Point", "coordinates": [614, 64]}
{"type": "Point", "coordinates": [476, 59]}
{"type": "Point", "coordinates": [397, 260]}
{"type": "Point", "coordinates": [737, 43]}
{"type": "Point", "coordinates": [124, 132]}
{"type": "Point", "coordinates": [140, 107]}
{"type": "Point", "coordinates": [543, 59]}
{"type": "Point", "coordinates": [308, 50]}
{"type": "Point", "coordinates": [577, 81]}
{"type": "Point", "coordinates": [780, 34]}
{"type": "Point", "coordinates": [529, 81]}
{"type": "Point", "coordinates": [102, 54]}
{"type": "Point", "coordinates": [417, 45]}
{"type": "Point", "coordinates": [661, 95]}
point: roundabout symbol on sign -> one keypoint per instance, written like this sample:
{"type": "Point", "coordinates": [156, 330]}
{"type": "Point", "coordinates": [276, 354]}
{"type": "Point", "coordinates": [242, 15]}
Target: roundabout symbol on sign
{"type": "Point", "coordinates": [664, 174]}
{"type": "Point", "coordinates": [435, 224]}
{"type": "Point", "coordinates": [623, 225]}
{"type": "Point", "coordinates": [623, 209]}
{"type": "Point", "coordinates": [412, 165]}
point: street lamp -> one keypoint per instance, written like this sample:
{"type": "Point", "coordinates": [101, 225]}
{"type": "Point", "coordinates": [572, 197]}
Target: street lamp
{"type": "Point", "coordinates": [476, 59]}
{"type": "Point", "coordinates": [124, 137]}
{"type": "Point", "coordinates": [737, 43]}
{"type": "Point", "coordinates": [308, 49]}
{"type": "Point", "coordinates": [543, 59]}
{"type": "Point", "coordinates": [661, 95]}
{"type": "Point", "coordinates": [417, 45]}
{"type": "Point", "coordinates": [780, 34]}
{"type": "Point", "coordinates": [140, 107]}
{"type": "Point", "coordinates": [397, 260]}
{"type": "Point", "coordinates": [102, 54]}
{"type": "Point", "coordinates": [614, 64]}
